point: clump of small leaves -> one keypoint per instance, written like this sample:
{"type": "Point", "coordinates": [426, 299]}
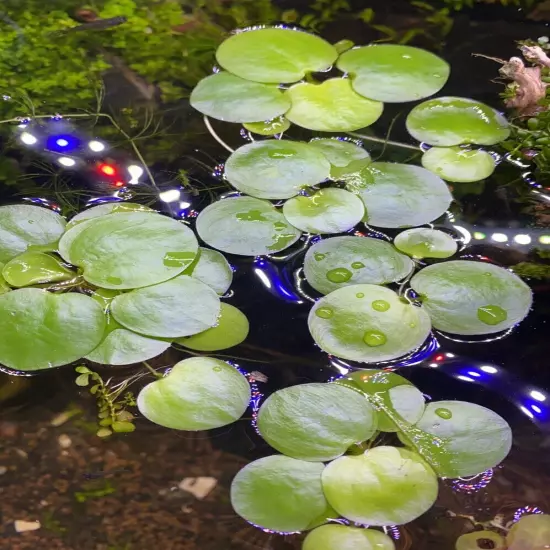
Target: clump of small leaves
{"type": "Point", "coordinates": [112, 402]}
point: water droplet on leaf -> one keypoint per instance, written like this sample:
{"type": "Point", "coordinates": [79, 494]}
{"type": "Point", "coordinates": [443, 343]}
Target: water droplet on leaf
{"type": "Point", "coordinates": [357, 265]}
{"type": "Point", "coordinates": [374, 338]}
{"type": "Point", "coordinates": [491, 315]}
{"type": "Point", "coordinates": [444, 413]}
{"type": "Point", "coordinates": [380, 305]}
{"type": "Point", "coordinates": [339, 275]}
{"type": "Point", "coordinates": [324, 312]}
{"type": "Point", "coordinates": [178, 259]}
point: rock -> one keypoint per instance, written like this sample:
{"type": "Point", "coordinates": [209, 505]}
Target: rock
{"type": "Point", "coordinates": [199, 487]}
{"type": "Point", "coordinates": [64, 441]}
{"type": "Point", "coordinates": [3, 470]}
{"type": "Point", "coordinates": [22, 526]}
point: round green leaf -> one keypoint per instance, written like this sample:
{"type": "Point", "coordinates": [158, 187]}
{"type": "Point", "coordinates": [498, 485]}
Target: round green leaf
{"type": "Point", "coordinates": [530, 532]}
{"type": "Point", "coordinates": [129, 249]}
{"type": "Point", "coordinates": [341, 537]}
{"type": "Point", "coordinates": [367, 323]}
{"type": "Point", "coordinates": [342, 261]}
{"type": "Point", "coordinates": [124, 347]}
{"type": "Point", "coordinates": [387, 392]}
{"type": "Point", "coordinates": [332, 106]}
{"type": "Point", "coordinates": [199, 393]}
{"type": "Point", "coordinates": [280, 493]}
{"type": "Point", "coordinates": [422, 242]}
{"type": "Point", "coordinates": [271, 127]}
{"type": "Point", "coordinates": [245, 226]}
{"type": "Point", "coordinates": [22, 225]}
{"type": "Point", "coordinates": [474, 438]}
{"type": "Point", "coordinates": [458, 164]}
{"type": "Point", "coordinates": [42, 330]}
{"type": "Point", "coordinates": [464, 297]}
{"type": "Point", "coordinates": [400, 195]}
{"type": "Point", "coordinates": [175, 308]}
{"type": "Point", "coordinates": [343, 155]}
{"type": "Point", "coordinates": [448, 121]}
{"type": "Point", "coordinates": [478, 539]}
{"type": "Point", "coordinates": [275, 169]}
{"type": "Point", "coordinates": [108, 208]}
{"type": "Point", "coordinates": [329, 210]}
{"type": "Point", "coordinates": [231, 330]}
{"type": "Point", "coordinates": [384, 486]}
{"type": "Point", "coordinates": [393, 73]}
{"type": "Point", "coordinates": [211, 268]}
{"type": "Point", "coordinates": [121, 346]}
{"type": "Point", "coordinates": [227, 97]}
{"type": "Point", "coordinates": [316, 422]}
{"type": "Point", "coordinates": [275, 55]}
{"type": "Point", "coordinates": [32, 268]}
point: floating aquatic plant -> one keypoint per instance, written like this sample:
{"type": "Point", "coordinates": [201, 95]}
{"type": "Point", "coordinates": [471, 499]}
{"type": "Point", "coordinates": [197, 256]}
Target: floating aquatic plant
{"type": "Point", "coordinates": [116, 285]}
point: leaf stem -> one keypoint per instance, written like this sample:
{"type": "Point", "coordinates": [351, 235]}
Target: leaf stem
{"type": "Point", "coordinates": [152, 370]}
{"type": "Point", "coordinates": [386, 141]}
{"type": "Point", "coordinates": [215, 136]}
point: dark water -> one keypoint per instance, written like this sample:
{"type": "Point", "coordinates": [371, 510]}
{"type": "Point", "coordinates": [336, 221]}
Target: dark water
{"type": "Point", "coordinates": [126, 492]}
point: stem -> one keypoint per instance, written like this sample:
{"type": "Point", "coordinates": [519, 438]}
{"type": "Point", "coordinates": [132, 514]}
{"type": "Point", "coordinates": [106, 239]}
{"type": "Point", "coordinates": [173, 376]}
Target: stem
{"type": "Point", "coordinates": [215, 136]}
{"type": "Point", "coordinates": [152, 370]}
{"type": "Point", "coordinates": [386, 141]}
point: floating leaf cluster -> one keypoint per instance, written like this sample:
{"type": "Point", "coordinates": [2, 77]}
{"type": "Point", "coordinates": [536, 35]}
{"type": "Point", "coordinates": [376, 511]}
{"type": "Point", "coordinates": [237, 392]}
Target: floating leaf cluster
{"type": "Point", "coordinates": [329, 469]}
{"type": "Point", "coordinates": [116, 285]}
{"type": "Point", "coordinates": [268, 82]}
{"type": "Point", "coordinates": [329, 186]}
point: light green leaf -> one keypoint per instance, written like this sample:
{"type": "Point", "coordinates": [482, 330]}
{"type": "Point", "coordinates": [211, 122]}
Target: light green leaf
{"type": "Point", "coordinates": [458, 164]}
{"type": "Point", "coordinates": [387, 392]}
{"type": "Point", "coordinates": [478, 539]}
{"type": "Point", "coordinates": [275, 169]}
{"type": "Point", "coordinates": [329, 210]}
{"type": "Point", "coordinates": [474, 438]}
{"type": "Point", "coordinates": [464, 297]}
{"type": "Point", "coordinates": [332, 106]}
{"type": "Point", "coordinates": [422, 242]}
{"type": "Point", "coordinates": [279, 493]}
{"type": "Point", "coordinates": [384, 486]}
{"type": "Point", "coordinates": [175, 308]}
{"type": "Point", "coordinates": [530, 532]}
{"type": "Point", "coordinates": [108, 208]}
{"type": "Point", "coordinates": [275, 55]}
{"type": "Point", "coordinates": [124, 347]}
{"type": "Point", "coordinates": [342, 155]}
{"type": "Point", "coordinates": [394, 73]}
{"type": "Point", "coordinates": [400, 195]}
{"type": "Point", "coordinates": [245, 226]}
{"type": "Point", "coordinates": [42, 330]}
{"type": "Point", "coordinates": [129, 249]}
{"type": "Point", "coordinates": [211, 268]}
{"type": "Point", "coordinates": [342, 261]}
{"type": "Point", "coordinates": [315, 422]}
{"type": "Point", "coordinates": [231, 329]}
{"type": "Point", "coordinates": [367, 323]}
{"type": "Point", "coordinates": [22, 225]}
{"type": "Point", "coordinates": [271, 127]}
{"type": "Point", "coordinates": [32, 268]}
{"type": "Point", "coordinates": [341, 537]}
{"type": "Point", "coordinates": [448, 121]}
{"type": "Point", "coordinates": [4, 287]}
{"type": "Point", "coordinates": [199, 393]}
{"type": "Point", "coordinates": [227, 97]}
